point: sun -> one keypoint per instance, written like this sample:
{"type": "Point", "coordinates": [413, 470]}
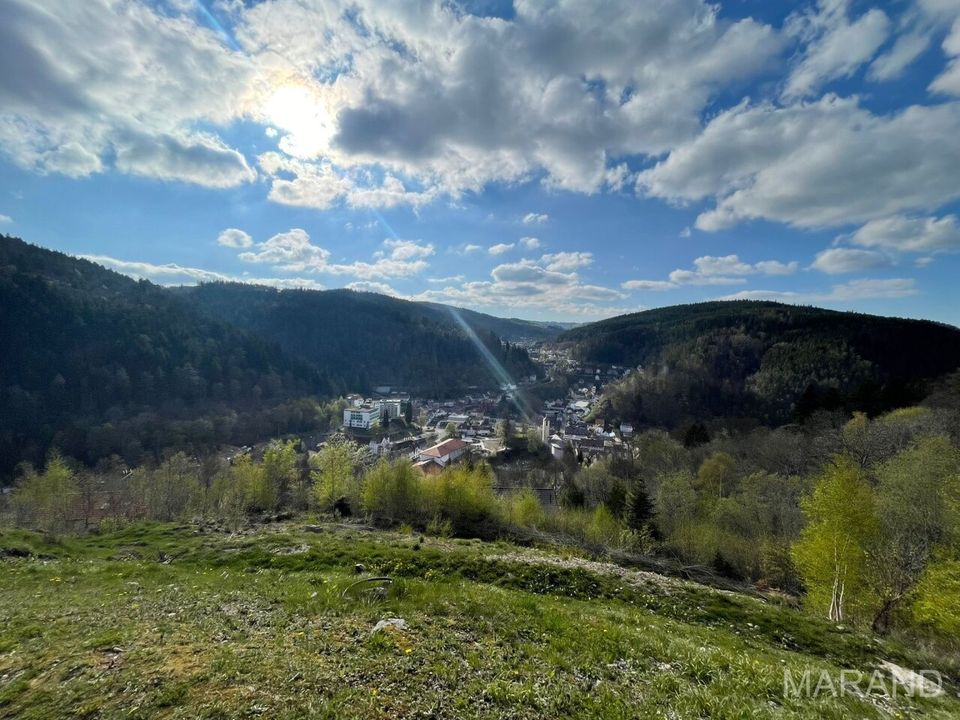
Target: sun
{"type": "Point", "coordinates": [302, 114]}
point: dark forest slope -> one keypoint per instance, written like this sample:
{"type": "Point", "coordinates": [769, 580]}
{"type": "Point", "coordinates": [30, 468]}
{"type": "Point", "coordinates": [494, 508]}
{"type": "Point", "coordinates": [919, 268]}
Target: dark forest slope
{"type": "Point", "coordinates": [764, 359]}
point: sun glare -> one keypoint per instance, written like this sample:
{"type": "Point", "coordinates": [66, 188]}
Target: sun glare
{"type": "Point", "coordinates": [302, 115]}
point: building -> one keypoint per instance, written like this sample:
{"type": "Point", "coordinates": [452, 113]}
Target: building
{"type": "Point", "coordinates": [392, 408]}
{"type": "Point", "coordinates": [362, 417]}
{"type": "Point", "coordinates": [445, 453]}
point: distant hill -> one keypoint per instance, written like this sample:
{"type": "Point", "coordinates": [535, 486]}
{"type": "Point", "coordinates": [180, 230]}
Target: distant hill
{"type": "Point", "coordinates": [765, 360]}
{"type": "Point", "coordinates": [512, 329]}
{"type": "Point", "coordinates": [364, 340]}
{"type": "Point", "coordinates": [96, 364]}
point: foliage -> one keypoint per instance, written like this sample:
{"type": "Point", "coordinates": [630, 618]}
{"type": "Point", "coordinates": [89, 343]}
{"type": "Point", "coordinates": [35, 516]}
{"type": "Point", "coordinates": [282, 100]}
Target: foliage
{"type": "Point", "coordinates": [335, 481]}
{"type": "Point", "coordinates": [831, 552]}
{"type": "Point", "coordinates": [45, 500]}
{"type": "Point", "coordinates": [763, 360]}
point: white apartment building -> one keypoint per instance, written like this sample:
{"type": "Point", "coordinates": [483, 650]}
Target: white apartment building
{"type": "Point", "coordinates": [363, 417]}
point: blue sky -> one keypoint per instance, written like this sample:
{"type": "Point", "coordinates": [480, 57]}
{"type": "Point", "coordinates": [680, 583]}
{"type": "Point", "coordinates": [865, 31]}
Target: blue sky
{"type": "Point", "coordinates": [547, 160]}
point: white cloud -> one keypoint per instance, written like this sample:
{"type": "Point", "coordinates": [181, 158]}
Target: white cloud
{"type": "Point", "coordinates": [910, 234]}
{"type": "Point", "coordinates": [500, 248]}
{"type": "Point", "coordinates": [834, 45]}
{"type": "Point", "coordinates": [374, 287]}
{"type": "Point", "coordinates": [174, 274]}
{"type": "Point", "coordinates": [102, 80]}
{"type": "Point", "coordinates": [234, 238]}
{"type": "Point", "coordinates": [567, 261]}
{"type": "Point", "coordinates": [5, 219]}
{"type": "Point", "coordinates": [715, 270]}
{"type": "Point", "coordinates": [948, 82]}
{"type": "Point", "coordinates": [530, 243]}
{"type": "Point", "coordinates": [535, 218]}
{"type": "Point", "coordinates": [407, 249]}
{"type": "Point", "coordinates": [289, 251]}
{"type": "Point", "coordinates": [293, 251]}
{"type": "Point", "coordinates": [531, 284]}
{"type": "Point", "coordinates": [692, 277]}
{"type": "Point", "coordinates": [648, 285]}
{"type": "Point", "coordinates": [472, 248]}
{"type": "Point", "coordinates": [905, 50]}
{"type": "Point", "coordinates": [855, 290]}
{"type": "Point", "coordinates": [840, 260]}
{"type": "Point", "coordinates": [452, 101]}
{"type": "Point", "coordinates": [814, 164]}
{"type": "Point", "coordinates": [775, 267]}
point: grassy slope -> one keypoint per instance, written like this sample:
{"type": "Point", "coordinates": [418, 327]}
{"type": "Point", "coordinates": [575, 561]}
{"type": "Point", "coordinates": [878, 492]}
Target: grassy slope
{"type": "Point", "coordinates": [168, 621]}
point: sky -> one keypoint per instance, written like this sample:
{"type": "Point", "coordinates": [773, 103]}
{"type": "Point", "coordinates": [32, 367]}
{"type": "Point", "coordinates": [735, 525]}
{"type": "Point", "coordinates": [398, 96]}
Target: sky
{"type": "Point", "coordinates": [547, 160]}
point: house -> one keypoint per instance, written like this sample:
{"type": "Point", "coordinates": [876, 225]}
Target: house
{"type": "Point", "coordinates": [626, 429]}
{"type": "Point", "coordinates": [445, 453]}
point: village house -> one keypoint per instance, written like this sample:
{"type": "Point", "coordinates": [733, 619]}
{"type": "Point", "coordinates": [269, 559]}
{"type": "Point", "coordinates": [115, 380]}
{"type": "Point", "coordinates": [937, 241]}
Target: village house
{"type": "Point", "coordinates": [445, 453]}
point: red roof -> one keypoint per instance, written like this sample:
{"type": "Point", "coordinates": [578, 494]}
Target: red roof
{"type": "Point", "coordinates": [445, 448]}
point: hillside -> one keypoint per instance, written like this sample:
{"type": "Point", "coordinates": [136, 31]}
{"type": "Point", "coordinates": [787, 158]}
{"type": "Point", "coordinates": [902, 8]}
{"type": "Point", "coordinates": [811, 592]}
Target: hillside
{"type": "Point", "coordinates": [363, 340]}
{"type": "Point", "coordinates": [97, 364]}
{"type": "Point", "coordinates": [764, 360]}
{"type": "Point", "coordinates": [511, 329]}
{"type": "Point", "coordinates": [193, 621]}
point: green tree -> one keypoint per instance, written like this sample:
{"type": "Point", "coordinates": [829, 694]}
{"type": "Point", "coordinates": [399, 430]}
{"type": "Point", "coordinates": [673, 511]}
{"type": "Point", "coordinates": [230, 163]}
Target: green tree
{"type": "Point", "coordinates": [639, 509]}
{"type": "Point", "coordinates": [716, 475]}
{"type": "Point", "coordinates": [334, 477]}
{"type": "Point", "coordinates": [505, 430]}
{"type": "Point", "coordinates": [831, 552]}
{"type": "Point", "coordinates": [47, 500]}
{"type": "Point", "coordinates": [914, 520]}
{"type": "Point", "coordinates": [281, 476]}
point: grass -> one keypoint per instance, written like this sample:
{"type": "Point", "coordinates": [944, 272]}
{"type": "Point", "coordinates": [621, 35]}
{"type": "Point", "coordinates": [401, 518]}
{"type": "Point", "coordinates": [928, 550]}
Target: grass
{"type": "Point", "coordinates": [181, 621]}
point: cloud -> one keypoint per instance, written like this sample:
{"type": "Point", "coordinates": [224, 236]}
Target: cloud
{"type": "Point", "coordinates": [5, 219]}
{"type": "Point", "coordinates": [848, 260]}
{"type": "Point", "coordinates": [905, 50]}
{"type": "Point", "coordinates": [103, 81]}
{"type": "Point", "coordinates": [530, 243]}
{"type": "Point", "coordinates": [293, 251]}
{"type": "Point", "coordinates": [816, 164]}
{"type": "Point", "coordinates": [472, 248]}
{"type": "Point", "coordinates": [174, 274]}
{"type": "Point", "coordinates": [715, 270]}
{"type": "Point", "coordinates": [196, 158]}
{"type": "Point", "coordinates": [374, 287]}
{"type": "Point", "coordinates": [648, 285]}
{"type": "Point", "coordinates": [500, 248]}
{"type": "Point", "coordinates": [234, 238]}
{"type": "Point", "coordinates": [865, 289]}
{"type": "Point", "coordinates": [910, 234]}
{"type": "Point", "coordinates": [567, 261]}
{"type": "Point", "coordinates": [535, 218]}
{"type": "Point", "coordinates": [289, 251]}
{"type": "Point", "coordinates": [948, 82]}
{"type": "Point", "coordinates": [450, 101]}
{"type": "Point", "coordinates": [534, 284]}
{"type": "Point", "coordinates": [834, 45]}
{"type": "Point", "coordinates": [407, 249]}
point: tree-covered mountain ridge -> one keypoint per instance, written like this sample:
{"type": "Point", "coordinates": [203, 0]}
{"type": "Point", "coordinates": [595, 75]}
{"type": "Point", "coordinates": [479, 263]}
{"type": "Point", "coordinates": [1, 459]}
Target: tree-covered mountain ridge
{"type": "Point", "coordinates": [98, 364]}
{"type": "Point", "coordinates": [764, 360]}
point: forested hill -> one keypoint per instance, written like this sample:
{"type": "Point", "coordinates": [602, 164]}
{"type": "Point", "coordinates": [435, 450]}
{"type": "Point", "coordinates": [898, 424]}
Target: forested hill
{"type": "Point", "coordinates": [764, 359]}
{"type": "Point", "coordinates": [366, 340]}
{"type": "Point", "coordinates": [96, 364]}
